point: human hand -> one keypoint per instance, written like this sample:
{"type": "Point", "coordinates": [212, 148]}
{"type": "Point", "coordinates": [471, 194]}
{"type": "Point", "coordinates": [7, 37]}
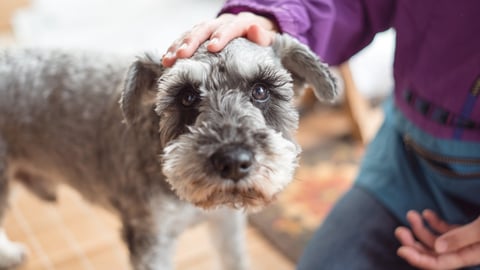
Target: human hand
{"type": "Point", "coordinates": [220, 31]}
{"type": "Point", "coordinates": [452, 247]}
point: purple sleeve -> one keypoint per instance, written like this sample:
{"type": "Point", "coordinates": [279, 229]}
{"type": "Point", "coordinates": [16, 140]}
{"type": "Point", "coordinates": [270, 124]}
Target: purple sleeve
{"type": "Point", "coordinates": [334, 29]}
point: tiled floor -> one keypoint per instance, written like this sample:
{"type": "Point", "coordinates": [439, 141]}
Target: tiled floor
{"type": "Point", "coordinates": [66, 235]}
{"type": "Point", "coordinates": [72, 234]}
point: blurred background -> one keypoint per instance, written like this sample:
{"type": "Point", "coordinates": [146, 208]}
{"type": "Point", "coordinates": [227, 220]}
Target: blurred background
{"type": "Point", "coordinates": [123, 26]}
{"type": "Point", "coordinates": [73, 234]}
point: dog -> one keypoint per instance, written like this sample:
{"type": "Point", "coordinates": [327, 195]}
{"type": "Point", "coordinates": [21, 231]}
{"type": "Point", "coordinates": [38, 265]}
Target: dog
{"type": "Point", "coordinates": [208, 139]}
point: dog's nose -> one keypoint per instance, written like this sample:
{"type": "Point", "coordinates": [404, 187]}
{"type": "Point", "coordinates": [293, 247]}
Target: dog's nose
{"type": "Point", "coordinates": [232, 162]}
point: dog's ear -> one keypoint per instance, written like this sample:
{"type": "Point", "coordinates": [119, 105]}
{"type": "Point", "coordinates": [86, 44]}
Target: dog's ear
{"type": "Point", "coordinates": [305, 65]}
{"type": "Point", "coordinates": [140, 86]}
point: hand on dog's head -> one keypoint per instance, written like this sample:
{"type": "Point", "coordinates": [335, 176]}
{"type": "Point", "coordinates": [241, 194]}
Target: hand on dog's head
{"type": "Point", "coordinates": [227, 120]}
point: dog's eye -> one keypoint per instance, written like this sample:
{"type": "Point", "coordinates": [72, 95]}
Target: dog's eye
{"type": "Point", "coordinates": [188, 98]}
{"type": "Point", "coordinates": [260, 93]}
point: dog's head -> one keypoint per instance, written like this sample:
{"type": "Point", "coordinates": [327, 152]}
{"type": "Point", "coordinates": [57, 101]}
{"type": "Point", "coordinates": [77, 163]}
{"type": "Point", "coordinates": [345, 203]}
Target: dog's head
{"type": "Point", "coordinates": [227, 120]}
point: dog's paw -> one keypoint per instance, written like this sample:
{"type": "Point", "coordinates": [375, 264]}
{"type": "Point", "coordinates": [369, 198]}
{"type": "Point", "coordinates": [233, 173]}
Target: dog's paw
{"type": "Point", "coordinates": [11, 254]}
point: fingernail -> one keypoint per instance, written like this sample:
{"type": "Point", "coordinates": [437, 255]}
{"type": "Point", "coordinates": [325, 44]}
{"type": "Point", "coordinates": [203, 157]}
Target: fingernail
{"type": "Point", "coordinates": [168, 55]}
{"type": "Point", "coordinates": [183, 46]}
{"type": "Point", "coordinates": [441, 246]}
{"type": "Point", "coordinates": [213, 41]}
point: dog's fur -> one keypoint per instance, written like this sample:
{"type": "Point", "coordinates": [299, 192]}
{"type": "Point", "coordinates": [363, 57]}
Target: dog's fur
{"type": "Point", "coordinates": [214, 130]}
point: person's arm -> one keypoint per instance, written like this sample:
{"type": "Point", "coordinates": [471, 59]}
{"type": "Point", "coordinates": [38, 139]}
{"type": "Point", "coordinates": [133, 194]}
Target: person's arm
{"type": "Point", "coordinates": [334, 29]}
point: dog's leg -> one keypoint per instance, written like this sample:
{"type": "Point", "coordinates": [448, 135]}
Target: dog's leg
{"type": "Point", "coordinates": [11, 254]}
{"type": "Point", "coordinates": [227, 227]}
{"type": "Point", "coordinates": [151, 234]}
{"type": "Point", "coordinates": [39, 186]}
{"type": "Point", "coordinates": [147, 250]}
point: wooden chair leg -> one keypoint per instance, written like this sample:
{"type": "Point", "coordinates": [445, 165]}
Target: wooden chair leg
{"type": "Point", "coordinates": [365, 119]}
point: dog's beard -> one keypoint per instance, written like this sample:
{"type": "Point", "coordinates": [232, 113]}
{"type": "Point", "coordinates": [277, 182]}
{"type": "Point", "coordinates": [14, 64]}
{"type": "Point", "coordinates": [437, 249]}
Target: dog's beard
{"type": "Point", "coordinates": [272, 170]}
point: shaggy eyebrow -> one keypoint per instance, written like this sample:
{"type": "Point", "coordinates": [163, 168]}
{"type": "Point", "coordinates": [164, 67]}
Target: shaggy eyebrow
{"type": "Point", "coordinates": [271, 77]}
{"type": "Point", "coordinates": [181, 81]}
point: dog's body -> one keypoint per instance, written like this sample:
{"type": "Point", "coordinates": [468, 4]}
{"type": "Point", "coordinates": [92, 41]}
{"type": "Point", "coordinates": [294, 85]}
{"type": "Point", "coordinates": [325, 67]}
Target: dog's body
{"type": "Point", "coordinates": [60, 121]}
{"type": "Point", "coordinates": [212, 131]}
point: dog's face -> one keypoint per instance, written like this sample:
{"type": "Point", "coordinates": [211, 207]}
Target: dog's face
{"type": "Point", "coordinates": [227, 120]}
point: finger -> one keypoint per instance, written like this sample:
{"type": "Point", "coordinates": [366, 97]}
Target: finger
{"type": "Point", "coordinates": [186, 45]}
{"type": "Point", "coordinates": [427, 260]}
{"type": "Point", "coordinates": [436, 222]}
{"type": "Point", "coordinates": [417, 258]}
{"type": "Point", "coordinates": [459, 237]}
{"type": "Point", "coordinates": [259, 35]}
{"type": "Point", "coordinates": [168, 59]}
{"type": "Point", "coordinates": [199, 34]}
{"type": "Point", "coordinates": [466, 257]}
{"type": "Point", "coordinates": [421, 232]}
{"type": "Point", "coordinates": [405, 236]}
{"type": "Point", "coordinates": [225, 33]}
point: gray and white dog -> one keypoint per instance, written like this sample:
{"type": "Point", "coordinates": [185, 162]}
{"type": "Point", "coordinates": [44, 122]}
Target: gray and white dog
{"type": "Point", "coordinates": [215, 131]}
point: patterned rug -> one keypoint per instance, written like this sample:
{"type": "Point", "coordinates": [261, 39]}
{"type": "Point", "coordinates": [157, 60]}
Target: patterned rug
{"type": "Point", "coordinates": [328, 165]}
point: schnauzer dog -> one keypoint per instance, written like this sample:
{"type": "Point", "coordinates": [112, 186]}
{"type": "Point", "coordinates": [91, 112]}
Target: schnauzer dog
{"type": "Point", "coordinates": [156, 145]}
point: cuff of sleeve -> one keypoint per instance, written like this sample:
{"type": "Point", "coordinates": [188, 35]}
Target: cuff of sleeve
{"type": "Point", "coordinates": [282, 17]}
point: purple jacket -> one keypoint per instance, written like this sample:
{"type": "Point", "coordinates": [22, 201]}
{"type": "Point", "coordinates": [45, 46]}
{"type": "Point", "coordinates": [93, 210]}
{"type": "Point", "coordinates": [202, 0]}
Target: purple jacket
{"type": "Point", "coordinates": [437, 58]}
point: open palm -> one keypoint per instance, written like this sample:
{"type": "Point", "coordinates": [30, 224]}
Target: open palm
{"type": "Point", "coordinates": [447, 247]}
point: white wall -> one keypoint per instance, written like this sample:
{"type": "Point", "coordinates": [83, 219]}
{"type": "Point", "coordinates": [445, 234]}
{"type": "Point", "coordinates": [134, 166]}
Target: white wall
{"type": "Point", "coordinates": [112, 25]}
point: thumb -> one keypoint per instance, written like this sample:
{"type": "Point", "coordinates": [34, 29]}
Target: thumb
{"type": "Point", "coordinates": [458, 238]}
